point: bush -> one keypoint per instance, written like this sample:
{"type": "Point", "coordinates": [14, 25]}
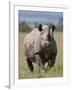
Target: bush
{"type": "Point", "coordinates": [24, 27]}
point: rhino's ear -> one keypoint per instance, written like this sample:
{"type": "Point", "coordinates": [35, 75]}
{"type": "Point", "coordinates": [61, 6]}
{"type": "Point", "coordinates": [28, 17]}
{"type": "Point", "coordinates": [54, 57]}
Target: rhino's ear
{"type": "Point", "coordinates": [53, 27]}
{"type": "Point", "coordinates": [40, 27]}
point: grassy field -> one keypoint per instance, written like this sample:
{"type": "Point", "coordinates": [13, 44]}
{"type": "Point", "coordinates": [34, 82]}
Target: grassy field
{"type": "Point", "coordinates": [55, 71]}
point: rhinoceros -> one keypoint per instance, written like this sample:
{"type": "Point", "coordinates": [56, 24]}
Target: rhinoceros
{"type": "Point", "coordinates": [40, 47]}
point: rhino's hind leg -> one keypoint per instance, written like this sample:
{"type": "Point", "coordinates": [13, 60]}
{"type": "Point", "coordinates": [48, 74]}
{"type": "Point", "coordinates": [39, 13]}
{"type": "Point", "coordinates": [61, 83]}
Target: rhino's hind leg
{"type": "Point", "coordinates": [30, 65]}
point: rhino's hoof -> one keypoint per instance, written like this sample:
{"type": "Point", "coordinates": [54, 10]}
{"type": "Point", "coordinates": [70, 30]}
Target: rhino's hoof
{"type": "Point", "coordinates": [42, 73]}
{"type": "Point", "coordinates": [48, 68]}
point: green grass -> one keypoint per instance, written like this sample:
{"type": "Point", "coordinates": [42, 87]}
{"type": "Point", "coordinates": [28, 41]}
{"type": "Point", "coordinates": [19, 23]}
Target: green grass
{"type": "Point", "coordinates": [55, 71]}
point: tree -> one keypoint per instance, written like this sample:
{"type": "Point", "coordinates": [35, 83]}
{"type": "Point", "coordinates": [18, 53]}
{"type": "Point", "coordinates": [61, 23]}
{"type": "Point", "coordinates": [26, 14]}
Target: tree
{"type": "Point", "coordinates": [36, 24]}
{"type": "Point", "coordinates": [24, 27]}
{"type": "Point", "coordinates": [60, 24]}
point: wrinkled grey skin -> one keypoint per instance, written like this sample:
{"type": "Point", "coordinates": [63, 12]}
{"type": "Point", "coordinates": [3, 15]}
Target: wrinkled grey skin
{"type": "Point", "coordinates": [40, 47]}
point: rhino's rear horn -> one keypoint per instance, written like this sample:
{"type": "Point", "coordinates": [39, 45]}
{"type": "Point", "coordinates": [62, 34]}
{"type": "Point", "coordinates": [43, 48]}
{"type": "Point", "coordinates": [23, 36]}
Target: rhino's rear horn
{"type": "Point", "coordinates": [40, 27]}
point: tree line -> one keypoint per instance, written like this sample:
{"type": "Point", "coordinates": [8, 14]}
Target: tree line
{"type": "Point", "coordinates": [24, 27]}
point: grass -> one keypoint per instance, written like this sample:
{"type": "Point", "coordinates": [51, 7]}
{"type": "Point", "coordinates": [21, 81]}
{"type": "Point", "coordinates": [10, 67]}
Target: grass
{"type": "Point", "coordinates": [55, 71]}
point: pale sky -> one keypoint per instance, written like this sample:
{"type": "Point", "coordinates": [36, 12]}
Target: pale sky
{"type": "Point", "coordinates": [39, 16]}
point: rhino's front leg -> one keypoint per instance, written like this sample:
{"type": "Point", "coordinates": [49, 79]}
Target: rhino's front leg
{"type": "Point", "coordinates": [39, 62]}
{"type": "Point", "coordinates": [51, 62]}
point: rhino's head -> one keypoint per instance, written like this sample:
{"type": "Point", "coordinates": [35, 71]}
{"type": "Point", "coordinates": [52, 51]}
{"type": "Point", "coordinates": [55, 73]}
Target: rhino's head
{"type": "Point", "coordinates": [46, 35]}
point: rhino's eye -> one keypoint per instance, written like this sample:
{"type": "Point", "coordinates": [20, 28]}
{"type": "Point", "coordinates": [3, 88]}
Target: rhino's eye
{"type": "Point", "coordinates": [49, 37]}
